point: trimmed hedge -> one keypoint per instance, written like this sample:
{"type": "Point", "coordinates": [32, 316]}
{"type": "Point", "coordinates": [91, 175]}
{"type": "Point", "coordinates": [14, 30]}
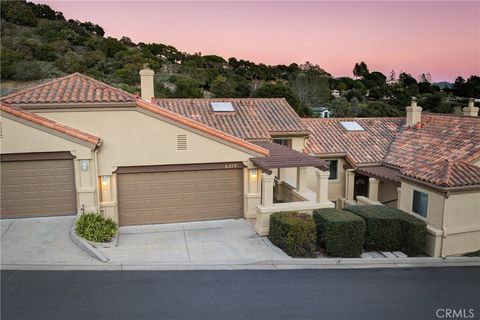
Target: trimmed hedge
{"type": "Point", "coordinates": [294, 233]}
{"type": "Point", "coordinates": [390, 229]}
{"type": "Point", "coordinates": [94, 227]}
{"type": "Point", "coordinates": [341, 233]}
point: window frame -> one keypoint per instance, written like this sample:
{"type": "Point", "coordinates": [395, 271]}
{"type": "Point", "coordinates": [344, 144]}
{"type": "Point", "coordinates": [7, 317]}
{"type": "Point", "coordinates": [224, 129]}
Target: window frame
{"type": "Point", "coordinates": [282, 142]}
{"type": "Point", "coordinates": [419, 205]}
{"type": "Point", "coordinates": [330, 173]}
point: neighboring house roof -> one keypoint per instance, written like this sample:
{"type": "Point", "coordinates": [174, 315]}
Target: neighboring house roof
{"type": "Point", "coordinates": [50, 124]}
{"type": "Point", "coordinates": [329, 137]}
{"type": "Point", "coordinates": [381, 173]}
{"type": "Point", "coordinates": [252, 118]}
{"type": "Point", "coordinates": [446, 174]}
{"type": "Point", "coordinates": [199, 126]}
{"type": "Point", "coordinates": [72, 89]}
{"type": "Point", "coordinates": [436, 137]}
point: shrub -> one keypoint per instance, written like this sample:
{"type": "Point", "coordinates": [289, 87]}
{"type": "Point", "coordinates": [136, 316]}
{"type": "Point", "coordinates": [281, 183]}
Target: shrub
{"type": "Point", "coordinates": [390, 229]}
{"type": "Point", "coordinates": [294, 233]}
{"type": "Point", "coordinates": [341, 233]}
{"type": "Point", "coordinates": [94, 227]}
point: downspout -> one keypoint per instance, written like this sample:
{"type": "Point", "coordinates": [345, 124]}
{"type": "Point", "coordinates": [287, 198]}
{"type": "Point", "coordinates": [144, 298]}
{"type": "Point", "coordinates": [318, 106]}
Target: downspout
{"type": "Point", "coordinates": [95, 159]}
{"type": "Point", "coordinates": [444, 228]}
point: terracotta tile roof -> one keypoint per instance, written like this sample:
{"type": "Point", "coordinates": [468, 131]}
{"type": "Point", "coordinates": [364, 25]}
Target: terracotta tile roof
{"type": "Point", "coordinates": [329, 137]}
{"type": "Point", "coordinates": [253, 118]}
{"type": "Point", "coordinates": [285, 157]}
{"type": "Point", "coordinates": [74, 88]}
{"type": "Point", "coordinates": [47, 123]}
{"type": "Point", "coordinates": [437, 137]}
{"type": "Point", "coordinates": [381, 173]}
{"type": "Point", "coordinates": [446, 173]}
{"type": "Point", "coordinates": [200, 126]}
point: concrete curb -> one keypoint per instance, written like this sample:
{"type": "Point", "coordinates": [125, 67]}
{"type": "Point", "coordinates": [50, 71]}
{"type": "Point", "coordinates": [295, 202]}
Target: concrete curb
{"type": "Point", "coordinates": [265, 265]}
{"type": "Point", "coordinates": [85, 245]}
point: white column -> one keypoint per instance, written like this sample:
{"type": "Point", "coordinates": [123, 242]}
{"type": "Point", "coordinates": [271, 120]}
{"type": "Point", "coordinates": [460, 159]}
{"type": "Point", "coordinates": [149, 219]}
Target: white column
{"type": "Point", "coordinates": [399, 192]}
{"type": "Point", "coordinates": [322, 186]}
{"type": "Point", "coordinates": [267, 189]}
{"type": "Point", "coordinates": [262, 224]}
{"type": "Point", "coordinates": [350, 181]}
{"type": "Point", "coordinates": [373, 189]}
{"type": "Point", "coordinates": [301, 179]}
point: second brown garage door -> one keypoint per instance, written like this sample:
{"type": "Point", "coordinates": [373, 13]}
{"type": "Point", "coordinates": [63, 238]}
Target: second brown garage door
{"type": "Point", "coordinates": [176, 196]}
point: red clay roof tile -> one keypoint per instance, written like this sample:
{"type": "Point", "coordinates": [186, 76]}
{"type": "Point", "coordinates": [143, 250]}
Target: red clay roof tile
{"type": "Point", "coordinates": [446, 173]}
{"type": "Point", "coordinates": [71, 89]}
{"type": "Point", "coordinates": [253, 118]}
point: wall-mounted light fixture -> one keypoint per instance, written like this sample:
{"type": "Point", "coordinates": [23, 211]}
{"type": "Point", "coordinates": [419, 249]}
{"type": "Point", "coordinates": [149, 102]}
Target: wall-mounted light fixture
{"type": "Point", "coordinates": [253, 173]}
{"type": "Point", "coordinates": [84, 165]}
{"type": "Point", "coordinates": [105, 181]}
{"type": "Point", "coordinates": [105, 191]}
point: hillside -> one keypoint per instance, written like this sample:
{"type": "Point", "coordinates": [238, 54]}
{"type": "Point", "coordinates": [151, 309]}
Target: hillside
{"type": "Point", "coordinates": [39, 43]}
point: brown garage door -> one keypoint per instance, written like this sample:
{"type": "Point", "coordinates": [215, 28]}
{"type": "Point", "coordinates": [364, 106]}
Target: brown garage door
{"type": "Point", "coordinates": [37, 187]}
{"type": "Point", "coordinates": [175, 196]}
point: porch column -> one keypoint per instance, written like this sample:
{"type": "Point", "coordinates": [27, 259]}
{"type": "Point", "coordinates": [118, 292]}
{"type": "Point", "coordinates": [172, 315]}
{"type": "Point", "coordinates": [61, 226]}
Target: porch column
{"type": "Point", "coordinates": [373, 189]}
{"type": "Point", "coordinates": [322, 186]}
{"type": "Point", "coordinates": [350, 181]}
{"type": "Point", "coordinates": [301, 179]}
{"type": "Point", "coordinates": [267, 189]}
{"type": "Point", "coordinates": [262, 224]}
{"type": "Point", "coordinates": [399, 192]}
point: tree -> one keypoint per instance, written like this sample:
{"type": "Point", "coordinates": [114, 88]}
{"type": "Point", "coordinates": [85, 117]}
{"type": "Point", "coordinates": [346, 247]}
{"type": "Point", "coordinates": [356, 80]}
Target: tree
{"type": "Point", "coordinates": [310, 84]}
{"type": "Point", "coordinates": [425, 77]}
{"type": "Point", "coordinates": [18, 12]}
{"type": "Point", "coordinates": [392, 76]}
{"type": "Point", "coordinates": [360, 69]}
{"type": "Point", "coordinates": [378, 109]}
{"type": "Point", "coordinates": [222, 88]}
{"type": "Point", "coordinates": [279, 90]}
{"type": "Point", "coordinates": [186, 88]}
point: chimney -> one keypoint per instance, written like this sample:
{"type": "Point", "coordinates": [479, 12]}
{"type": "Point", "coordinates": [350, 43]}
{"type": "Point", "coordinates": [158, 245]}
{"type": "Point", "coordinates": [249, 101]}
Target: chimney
{"type": "Point", "coordinates": [471, 110]}
{"type": "Point", "coordinates": [414, 113]}
{"type": "Point", "coordinates": [146, 83]}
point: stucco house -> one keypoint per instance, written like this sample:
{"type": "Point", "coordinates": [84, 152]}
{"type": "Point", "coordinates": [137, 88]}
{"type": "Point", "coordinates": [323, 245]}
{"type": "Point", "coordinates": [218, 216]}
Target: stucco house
{"type": "Point", "coordinates": [75, 144]}
{"type": "Point", "coordinates": [425, 164]}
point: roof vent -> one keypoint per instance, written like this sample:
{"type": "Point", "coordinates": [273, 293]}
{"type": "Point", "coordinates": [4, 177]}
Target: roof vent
{"type": "Point", "coordinates": [351, 126]}
{"type": "Point", "coordinates": [181, 142]}
{"type": "Point", "coordinates": [222, 107]}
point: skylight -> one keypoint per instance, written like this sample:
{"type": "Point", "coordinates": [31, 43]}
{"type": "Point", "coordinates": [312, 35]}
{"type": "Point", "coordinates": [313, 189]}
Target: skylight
{"type": "Point", "coordinates": [351, 126]}
{"type": "Point", "coordinates": [222, 107]}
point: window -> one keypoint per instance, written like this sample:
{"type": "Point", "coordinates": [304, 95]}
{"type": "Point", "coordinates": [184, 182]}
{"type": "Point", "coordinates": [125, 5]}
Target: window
{"type": "Point", "coordinates": [333, 168]}
{"type": "Point", "coordinates": [351, 126]}
{"type": "Point", "coordinates": [222, 107]}
{"type": "Point", "coordinates": [284, 142]}
{"type": "Point", "coordinates": [420, 203]}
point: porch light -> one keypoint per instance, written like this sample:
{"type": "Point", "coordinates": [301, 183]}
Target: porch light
{"type": "Point", "coordinates": [84, 165]}
{"type": "Point", "coordinates": [253, 173]}
{"type": "Point", "coordinates": [105, 181]}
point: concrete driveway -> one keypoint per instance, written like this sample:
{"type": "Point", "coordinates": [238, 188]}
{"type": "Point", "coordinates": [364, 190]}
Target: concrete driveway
{"type": "Point", "coordinates": [40, 241]}
{"type": "Point", "coordinates": [46, 241]}
{"type": "Point", "coordinates": [220, 241]}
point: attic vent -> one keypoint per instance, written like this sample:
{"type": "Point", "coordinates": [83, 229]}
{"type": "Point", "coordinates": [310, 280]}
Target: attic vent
{"type": "Point", "coordinates": [181, 142]}
{"type": "Point", "coordinates": [222, 107]}
{"type": "Point", "coordinates": [352, 126]}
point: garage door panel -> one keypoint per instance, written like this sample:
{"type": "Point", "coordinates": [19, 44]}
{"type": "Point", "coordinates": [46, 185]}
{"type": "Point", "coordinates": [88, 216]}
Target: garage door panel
{"type": "Point", "coordinates": [164, 197]}
{"type": "Point", "coordinates": [37, 188]}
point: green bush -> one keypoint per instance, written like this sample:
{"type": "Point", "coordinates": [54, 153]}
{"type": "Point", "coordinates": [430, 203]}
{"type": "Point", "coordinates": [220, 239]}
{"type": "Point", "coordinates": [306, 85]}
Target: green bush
{"type": "Point", "coordinates": [94, 227]}
{"type": "Point", "coordinates": [294, 233]}
{"type": "Point", "coordinates": [341, 233]}
{"type": "Point", "coordinates": [390, 229]}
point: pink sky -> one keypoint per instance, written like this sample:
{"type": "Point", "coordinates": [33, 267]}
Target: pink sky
{"type": "Point", "coordinates": [439, 37]}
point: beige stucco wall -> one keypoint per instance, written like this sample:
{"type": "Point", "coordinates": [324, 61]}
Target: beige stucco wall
{"type": "Point", "coordinates": [23, 137]}
{"type": "Point", "coordinates": [387, 191]}
{"type": "Point", "coordinates": [133, 138]}
{"type": "Point", "coordinates": [453, 219]}
{"type": "Point", "coordinates": [336, 188]}
{"type": "Point", "coordinates": [462, 223]}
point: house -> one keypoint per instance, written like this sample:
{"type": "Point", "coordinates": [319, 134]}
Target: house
{"type": "Point", "coordinates": [336, 93]}
{"type": "Point", "coordinates": [75, 144]}
{"type": "Point", "coordinates": [321, 112]}
{"type": "Point", "coordinates": [425, 164]}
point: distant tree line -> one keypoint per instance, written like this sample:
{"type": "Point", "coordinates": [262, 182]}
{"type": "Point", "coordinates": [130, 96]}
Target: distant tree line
{"type": "Point", "coordinates": [39, 43]}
